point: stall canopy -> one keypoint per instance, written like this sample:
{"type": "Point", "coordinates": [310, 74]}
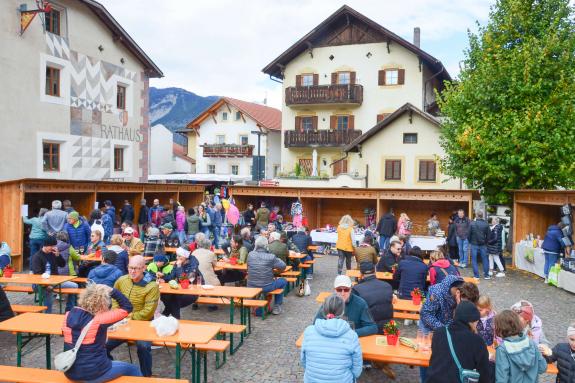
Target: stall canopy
{"type": "Point", "coordinates": [198, 177]}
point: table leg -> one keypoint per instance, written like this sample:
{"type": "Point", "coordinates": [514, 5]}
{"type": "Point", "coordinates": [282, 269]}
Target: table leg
{"type": "Point", "coordinates": [40, 295]}
{"type": "Point", "coordinates": [60, 298]}
{"type": "Point", "coordinates": [206, 367]}
{"type": "Point", "coordinates": [194, 367]}
{"type": "Point", "coordinates": [243, 321]}
{"type": "Point", "coordinates": [198, 364]}
{"type": "Point", "coordinates": [178, 359]}
{"type": "Point", "coordinates": [19, 349]}
{"type": "Point", "coordinates": [48, 353]}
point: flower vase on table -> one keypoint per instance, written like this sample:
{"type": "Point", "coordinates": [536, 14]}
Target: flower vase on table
{"type": "Point", "coordinates": [416, 296]}
{"type": "Point", "coordinates": [391, 331]}
{"type": "Point", "coordinates": [185, 284]}
{"type": "Point", "coordinates": [8, 271]}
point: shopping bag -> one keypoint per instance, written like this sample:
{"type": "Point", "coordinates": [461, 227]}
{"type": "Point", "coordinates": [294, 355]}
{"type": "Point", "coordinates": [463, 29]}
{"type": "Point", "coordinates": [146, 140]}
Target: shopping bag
{"type": "Point", "coordinates": [553, 276]}
{"type": "Point", "coordinates": [529, 255]}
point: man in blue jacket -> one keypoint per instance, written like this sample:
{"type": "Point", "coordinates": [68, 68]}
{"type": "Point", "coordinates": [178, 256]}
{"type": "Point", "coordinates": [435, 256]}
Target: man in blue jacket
{"type": "Point", "coordinates": [106, 273]}
{"type": "Point", "coordinates": [552, 246]}
{"type": "Point", "coordinates": [478, 236]}
{"type": "Point", "coordinates": [78, 231]}
{"type": "Point", "coordinates": [411, 273]}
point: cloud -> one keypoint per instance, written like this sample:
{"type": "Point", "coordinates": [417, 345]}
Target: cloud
{"type": "Point", "coordinates": [219, 47]}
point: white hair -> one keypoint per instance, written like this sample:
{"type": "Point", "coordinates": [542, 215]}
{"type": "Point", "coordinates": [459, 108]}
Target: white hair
{"type": "Point", "coordinates": [56, 204]}
{"type": "Point", "coordinates": [275, 236]}
{"type": "Point", "coordinates": [261, 243]}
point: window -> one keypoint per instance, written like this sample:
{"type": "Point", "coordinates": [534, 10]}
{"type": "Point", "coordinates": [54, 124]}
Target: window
{"type": "Point", "coordinates": [343, 78]}
{"type": "Point", "coordinates": [53, 22]}
{"type": "Point", "coordinates": [238, 116]}
{"type": "Point", "coordinates": [410, 138]}
{"type": "Point", "coordinates": [391, 77]}
{"type": "Point", "coordinates": [224, 116]}
{"type": "Point", "coordinates": [119, 159]}
{"type": "Point", "coordinates": [121, 97]}
{"type": "Point", "coordinates": [307, 124]}
{"type": "Point", "coordinates": [342, 122]}
{"type": "Point", "coordinates": [243, 140]}
{"type": "Point", "coordinates": [212, 169]}
{"type": "Point", "coordinates": [220, 140]}
{"type": "Point", "coordinates": [235, 170]}
{"type": "Point", "coordinates": [51, 156]}
{"type": "Point", "coordinates": [427, 170]}
{"type": "Point", "coordinates": [393, 170]}
{"type": "Point", "coordinates": [52, 81]}
{"type": "Point", "coordinates": [307, 80]}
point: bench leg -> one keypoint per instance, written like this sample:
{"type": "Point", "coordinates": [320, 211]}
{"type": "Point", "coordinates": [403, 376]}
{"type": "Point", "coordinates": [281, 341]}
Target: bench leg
{"type": "Point", "coordinates": [178, 354]}
{"type": "Point", "coordinates": [19, 349]}
{"type": "Point", "coordinates": [206, 367]}
{"type": "Point", "coordinates": [48, 353]}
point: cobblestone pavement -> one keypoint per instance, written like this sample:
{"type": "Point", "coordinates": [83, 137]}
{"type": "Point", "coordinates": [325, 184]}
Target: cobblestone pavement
{"type": "Point", "coordinates": [269, 354]}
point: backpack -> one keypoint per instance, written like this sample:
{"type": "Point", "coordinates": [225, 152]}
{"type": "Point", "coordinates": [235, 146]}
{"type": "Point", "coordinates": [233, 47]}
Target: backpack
{"type": "Point", "coordinates": [441, 273]}
{"type": "Point", "coordinates": [98, 226]}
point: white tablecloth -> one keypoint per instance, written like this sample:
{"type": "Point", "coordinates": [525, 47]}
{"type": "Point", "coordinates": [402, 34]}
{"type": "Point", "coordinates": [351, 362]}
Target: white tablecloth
{"type": "Point", "coordinates": [331, 237]}
{"type": "Point", "coordinates": [567, 281]}
{"type": "Point", "coordinates": [537, 267]}
{"type": "Point", "coordinates": [426, 243]}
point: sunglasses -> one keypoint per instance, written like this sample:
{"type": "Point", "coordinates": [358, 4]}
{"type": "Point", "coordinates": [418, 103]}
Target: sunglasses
{"type": "Point", "coordinates": [343, 290]}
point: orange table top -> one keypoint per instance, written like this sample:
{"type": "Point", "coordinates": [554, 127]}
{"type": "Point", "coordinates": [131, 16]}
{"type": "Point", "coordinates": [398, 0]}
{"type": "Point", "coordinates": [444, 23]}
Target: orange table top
{"type": "Point", "coordinates": [229, 266]}
{"type": "Point", "coordinates": [294, 255]}
{"type": "Point", "coordinates": [173, 250]}
{"type": "Point", "coordinates": [51, 324]}
{"type": "Point", "coordinates": [216, 291]}
{"type": "Point", "coordinates": [36, 279]}
{"type": "Point", "coordinates": [398, 305]}
{"type": "Point", "coordinates": [93, 258]}
{"type": "Point", "coordinates": [389, 276]}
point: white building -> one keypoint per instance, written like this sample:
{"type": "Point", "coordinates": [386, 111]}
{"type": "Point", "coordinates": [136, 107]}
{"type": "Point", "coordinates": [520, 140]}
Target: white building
{"type": "Point", "coordinates": [339, 80]}
{"type": "Point", "coordinates": [167, 157]}
{"type": "Point", "coordinates": [75, 99]}
{"type": "Point", "coordinates": [222, 142]}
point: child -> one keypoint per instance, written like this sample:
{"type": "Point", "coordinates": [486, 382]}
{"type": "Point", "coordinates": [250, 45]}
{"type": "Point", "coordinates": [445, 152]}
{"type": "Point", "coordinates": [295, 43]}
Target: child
{"type": "Point", "coordinates": [564, 355]}
{"type": "Point", "coordinates": [517, 358]}
{"type": "Point", "coordinates": [485, 324]}
{"type": "Point", "coordinates": [531, 323]}
{"type": "Point", "coordinates": [160, 266]}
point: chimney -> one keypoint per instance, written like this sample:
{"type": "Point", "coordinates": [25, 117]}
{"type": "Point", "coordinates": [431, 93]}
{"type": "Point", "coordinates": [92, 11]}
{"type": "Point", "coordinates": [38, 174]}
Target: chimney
{"type": "Point", "coordinates": [416, 36]}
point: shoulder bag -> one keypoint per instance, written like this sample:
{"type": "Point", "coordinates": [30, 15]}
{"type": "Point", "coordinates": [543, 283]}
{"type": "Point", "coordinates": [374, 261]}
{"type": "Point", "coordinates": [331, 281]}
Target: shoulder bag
{"type": "Point", "coordinates": [65, 360]}
{"type": "Point", "coordinates": [465, 376]}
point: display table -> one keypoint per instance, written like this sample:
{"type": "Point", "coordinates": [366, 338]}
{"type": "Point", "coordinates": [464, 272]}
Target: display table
{"type": "Point", "coordinates": [567, 281]}
{"type": "Point", "coordinates": [426, 243]}
{"type": "Point", "coordinates": [535, 267]}
{"type": "Point", "coordinates": [331, 237]}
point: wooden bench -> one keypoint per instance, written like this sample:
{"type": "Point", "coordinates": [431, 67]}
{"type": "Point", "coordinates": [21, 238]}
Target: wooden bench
{"type": "Point", "coordinates": [18, 289]}
{"type": "Point", "coordinates": [80, 280]}
{"type": "Point", "coordinates": [310, 262]}
{"type": "Point", "coordinates": [404, 315]}
{"type": "Point", "coordinates": [37, 375]}
{"type": "Point", "coordinates": [21, 309]}
{"type": "Point", "coordinates": [249, 304]}
{"type": "Point", "coordinates": [69, 290]}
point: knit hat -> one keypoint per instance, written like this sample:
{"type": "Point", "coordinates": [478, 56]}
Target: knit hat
{"type": "Point", "coordinates": [342, 281]}
{"type": "Point", "coordinates": [571, 330]}
{"type": "Point", "coordinates": [50, 241]}
{"type": "Point", "coordinates": [161, 258]}
{"type": "Point", "coordinates": [366, 267]}
{"type": "Point", "coordinates": [466, 312]}
{"type": "Point", "coordinates": [74, 215]}
{"type": "Point", "coordinates": [167, 226]}
{"type": "Point", "coordinates": [181, 252]}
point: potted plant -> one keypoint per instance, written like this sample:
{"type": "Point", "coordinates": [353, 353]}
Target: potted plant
{"type": "Point", "coordinates": [7, 272]}
{"type": "Point", "coordinates": [391, 331]}
{"type": "Point", "coordinates": [184, 281]}
{"type": "Point", "coordinates": [416, 295]}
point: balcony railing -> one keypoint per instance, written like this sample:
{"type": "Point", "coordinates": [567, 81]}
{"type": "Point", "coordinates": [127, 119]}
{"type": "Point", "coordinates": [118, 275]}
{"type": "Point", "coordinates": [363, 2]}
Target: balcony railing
{"type": "Point", "coordinates": [324, 94]}
{"type": "Point", "coordinates": [227, 150]}
{"type": "Point", "coordinates": [323, 138]}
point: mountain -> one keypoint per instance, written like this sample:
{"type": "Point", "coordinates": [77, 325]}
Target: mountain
{"type": "Point", "coordinates": [175, 107]}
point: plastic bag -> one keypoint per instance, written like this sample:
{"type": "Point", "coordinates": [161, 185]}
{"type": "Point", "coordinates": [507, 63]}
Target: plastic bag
{"type": "Point", "coordinates": [307, 289]}
{"type": "Point", "coordinates": [553, 276]}
{"type": "Point", "coordinates": [165, 326]}
{"type": "Point", "coordinates": [529, 255]}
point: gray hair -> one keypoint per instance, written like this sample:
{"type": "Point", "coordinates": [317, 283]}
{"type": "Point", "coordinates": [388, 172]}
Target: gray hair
{"type": "Point", "coordinates": [63, 236]}
{"type": "Point", "coordinates": [245, 233]}
{"type": "Point", "coordinates": [42, 212]}
{"type": "Point", "coordinates": [143, 201]}
{"type": "Point", "coordinates": [275, 236]}
{"type": "Point", "coordinates": [479, 214]}
{"type": "Point", "coordinates": [261, 243]}
{"type": "Point", "coordinates": [205, 243]}
{"type": "Point", "coordinates": [199, 237]}
{"type": "Point", "coordinates": [333, 304]}
{"type": "Point", "coordinates": [153, 232]}
{"type": "Point", "coordinates": [56, 204]}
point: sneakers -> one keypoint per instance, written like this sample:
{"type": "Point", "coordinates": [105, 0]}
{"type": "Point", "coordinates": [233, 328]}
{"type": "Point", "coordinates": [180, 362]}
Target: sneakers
{"type": "Point", "coordinates": [277, 310]}
{"type": "Point", "coordinates": [487, 277]}
{"type": "Point", "coordinates": [463, 266]}
{"type": "Point", "coordinates": [491, 273]}
{"type": "Point", "coordinates": [546, 280]}
{"type": "Point", "coordinates": [500, 274]}
{"type": "Point", "coordinates": [407, 322]}
{"type": "Point", "coordinates": [309, 277]}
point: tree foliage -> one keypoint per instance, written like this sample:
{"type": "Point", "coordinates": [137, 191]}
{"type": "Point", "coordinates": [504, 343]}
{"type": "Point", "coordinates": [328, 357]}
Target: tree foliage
{"type": "Point", "coordinates": [509, 119]}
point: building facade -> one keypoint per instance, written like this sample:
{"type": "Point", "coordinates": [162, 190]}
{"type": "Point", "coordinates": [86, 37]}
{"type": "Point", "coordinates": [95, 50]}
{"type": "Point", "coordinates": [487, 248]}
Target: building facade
{"type": "Point", "coordinates": [222, 140]}
{"type": "Point", "coordinates": [340, 80]}
{"type": "Point", "coordinates": [167, 157]}
{"type": "Point", "coordinates": [75, 104]}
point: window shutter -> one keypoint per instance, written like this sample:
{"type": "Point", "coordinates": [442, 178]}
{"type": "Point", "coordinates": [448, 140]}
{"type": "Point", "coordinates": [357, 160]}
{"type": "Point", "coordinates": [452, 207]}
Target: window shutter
{"type": "Point", "coordinates": [352, 78]}
{"type": "Point", "coordinates": [334, 78]}
{"type": "Point", "coordinates": [315, 79]}
{"type": "Point", "coordinates": [298, 126]}
{"type": "Point", "coordinates": [388, 169]}
{"type": "Point", "coordinates": [422, 170]}
{"type": "Point", "coordinates": [380, 117]}
{"type": "Point", "coordinates": [344, 166]}
{"type": "Point", "coordinates": [381, 77]}
{"type": "Point", "coordinates": [314, 122]}
{"type": "Point", "coordinates": [401, 76]}
{"type": "Point", "coordinates": [351, 123]}
{"type": "Point", "coordinates": [298, 80]}
{"type": "Point", "coordinates": [332, 122]}
{"type": "Point", "coordinates": [433, 171]}
{"type": "Point", "coordinates": [397, 169]}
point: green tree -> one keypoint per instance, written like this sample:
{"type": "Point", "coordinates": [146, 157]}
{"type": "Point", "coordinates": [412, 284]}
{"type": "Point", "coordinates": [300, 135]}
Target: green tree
{"type": "Point", "coordinates": [509, 119]}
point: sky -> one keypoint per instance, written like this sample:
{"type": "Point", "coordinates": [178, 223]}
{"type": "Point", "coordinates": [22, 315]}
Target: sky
{"type": "Point", "coordinates": [219, 47]}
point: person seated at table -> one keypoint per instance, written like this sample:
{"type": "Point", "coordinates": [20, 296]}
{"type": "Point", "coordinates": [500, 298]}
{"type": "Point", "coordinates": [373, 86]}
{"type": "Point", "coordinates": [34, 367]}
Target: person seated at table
{"type": "Point", "coordinates": [106, 273]}
{"type": "Point", "coordinates": [129, 224]}
{"type": "Point", "coordinates": [468, 347]}
{"type": "Point", "coordinates": [160, 267]}
{"type": "Point", "coordinates": [532, 324]}
{"type": "Point", "coordinates": [152, 243]}
{"type": "Point", "coordinates": [247, 240]}
{"type": "Point", "coordinates": [271, 227]}
{"type": "Point", "coordinates": [562, 353]}
{"type": "Point", "coordinates": [207, 261]}
{"type": "Point", "coordinates": [71, 258]}
{"type": "Point", "coordinates": [169, 236]}
{"type": "Point", "coordinates": [143, 293]}
{"type": "Point", "coordinates": [411, 274]}
{"type": "Point", "coordinates": [96, 243]}
{"type": "Point", "coordinates": [365, 252]}
{"type": "Point", "coordinates": [405, 245]}
{"type": "Point", "coordinates": [239, 255]}
{"type": "Point", "coordinates": [376, 293]}
{"type": "Point", "coordinates": [78, 230]}
{"type": "Point", "coordinates": [186, 267]}
{"type": "Point", "coordinates": [92, 363]}
{"type": "Point", "coordinates": [279, 222]}
{"type": "Point", "coordinates": [356, 309]}
{"type": "Point", "coordinates": [330, 350]}
{"type": "Point", "coordinates": [277, 247]}
{"type": "Point", "coordinates": [121, 261]}
{"type": "Point", "coordinates": [440, 267]}
{"type": "Point", "coordinates": [5, 308]}
{"type": "Point", "coordinates": [261, 265]}
{"type": "Point", "coordinates": [389, 258]}
{"type": "Point", "coordinates": [132, 243]}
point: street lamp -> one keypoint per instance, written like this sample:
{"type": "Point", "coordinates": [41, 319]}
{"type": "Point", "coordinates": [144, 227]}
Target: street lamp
{"type": "Point", "coordinates": [258, 133]}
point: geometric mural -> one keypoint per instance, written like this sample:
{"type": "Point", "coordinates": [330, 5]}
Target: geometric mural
{"type": "Point", "coordinates": [91, 158]}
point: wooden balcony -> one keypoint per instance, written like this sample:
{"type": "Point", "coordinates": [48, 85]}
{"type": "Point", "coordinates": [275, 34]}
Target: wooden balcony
{"type": "Point", "coordinates": [324, 94]}
{"type": "Point", "coordinates": [227, 150]}
{"type": "Point", "coordinates": [319, 138]}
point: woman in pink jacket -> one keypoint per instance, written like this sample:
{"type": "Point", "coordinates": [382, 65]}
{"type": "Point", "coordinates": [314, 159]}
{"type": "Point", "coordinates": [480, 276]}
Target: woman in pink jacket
{"type": "Point", "coordinates": [181, 223]}
{"type": "Point", "coordinates": [404, 225]}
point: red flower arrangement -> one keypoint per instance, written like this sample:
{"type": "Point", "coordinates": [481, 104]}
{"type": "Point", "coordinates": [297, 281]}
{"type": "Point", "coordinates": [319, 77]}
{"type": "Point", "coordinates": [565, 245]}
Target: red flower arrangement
{"type": "Point", "coordinates": [416, 296]}
{"type": "Point", "coordinates": [391, 330]}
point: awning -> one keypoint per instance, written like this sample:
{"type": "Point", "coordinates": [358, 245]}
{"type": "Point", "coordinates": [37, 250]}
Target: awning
{"type": "Point", "coordinates": [201, 177]}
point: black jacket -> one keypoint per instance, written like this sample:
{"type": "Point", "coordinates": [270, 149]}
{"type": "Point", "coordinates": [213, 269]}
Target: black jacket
{"type": "Point", "coordinates": [5, 309]}
{"type": "Point", "coordinates": [249, 217]}
{"type": "Point", "coordinates": [452, 235]}
{"type": "Point", "coordinates": [379, 297]}
{"type": "Point", "coordinates": [479, 232]}
{"type": "Point", "coordinates": [386, 261]}
{"type": "Point", "coordinates": [462, 227]}
{"type": "Point", "coordinates": [143, 215]}
{"type": "Point", "coordinates": [387, 225]}
{"type": "Point", "coordinates": [127, 213]}
{"type": "Point", "coordinates": [411, 273]}
{"type": "Point", "coordinates": [40, 259]}
{"type": "Point", "coordinates": [494, 242]}
{"type": "Point", "coordinates": [565, 362]}
{"type": "Point", "coordinates": [469, 348]}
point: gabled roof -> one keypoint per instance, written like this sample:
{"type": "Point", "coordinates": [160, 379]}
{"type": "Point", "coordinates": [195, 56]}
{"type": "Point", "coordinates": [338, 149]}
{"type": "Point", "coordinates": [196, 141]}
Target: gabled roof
{"type": "Point", "coordinates": [407, 108]}
{"type": "Point", "coordinates": [120, 34]}
{"type": "Point", "coordinates": [264, 116]}
{"type": "Point", "coordinates": [179, 151]}
{"type": "Point", "coordinates": [339, 19]}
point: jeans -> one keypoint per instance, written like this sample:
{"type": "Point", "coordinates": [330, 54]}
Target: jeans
{"type": "Point", "coordinates": [423, 370]}
{"type": "Point", "coordinates": [279, 283]}
{"type": "Point", "coordinates": [49, 296]}
{"type": "Point", "coordinates": [383, 242]}
{"type": "Point", "coordinates": [550, 260]}
{"type": "Point", "coordinates": [182, 236]}
{"type": "Point", "coordinates": [308, 258]}
{"type": "Point", "coordinates": [217, 230]}
{"type": "Point", "coordinates": [462, 245]}
{"type": "Point", "coordinates": [343, 255]}
{"type": "Point", "coordinates": [192, 237]}
{"type": "Point", "coordinates": [144, 354]}
{"type": "Point", "coordinates": [118, 369]}
{"type": "Point", "coordinates": [482, 250]}
{"type": "Point", "coordinates": [35, 246]}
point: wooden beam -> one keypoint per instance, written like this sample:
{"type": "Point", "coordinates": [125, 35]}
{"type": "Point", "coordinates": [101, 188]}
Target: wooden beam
{"type": "Point", "coordinates": [213, 114]}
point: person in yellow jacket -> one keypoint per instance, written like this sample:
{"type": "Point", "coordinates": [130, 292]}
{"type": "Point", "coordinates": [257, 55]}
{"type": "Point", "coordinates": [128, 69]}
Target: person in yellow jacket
{"type": "Point", "coordinates": [143, 292]}
{"type": "Point", "coordinates": [344, 244]}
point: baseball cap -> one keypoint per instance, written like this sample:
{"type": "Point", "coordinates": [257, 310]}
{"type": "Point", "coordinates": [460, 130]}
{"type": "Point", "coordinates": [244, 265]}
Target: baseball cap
{"type": "Point", "coordinates": [128, 230]}
{"type": "Point", "coordinates": [342, 281]}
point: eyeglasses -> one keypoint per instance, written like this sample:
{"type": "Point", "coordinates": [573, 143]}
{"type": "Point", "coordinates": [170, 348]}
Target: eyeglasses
{"type": "Point", "coordinates": [134, 268]}
{"type": "Point", "coordinates": [342, 290]}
